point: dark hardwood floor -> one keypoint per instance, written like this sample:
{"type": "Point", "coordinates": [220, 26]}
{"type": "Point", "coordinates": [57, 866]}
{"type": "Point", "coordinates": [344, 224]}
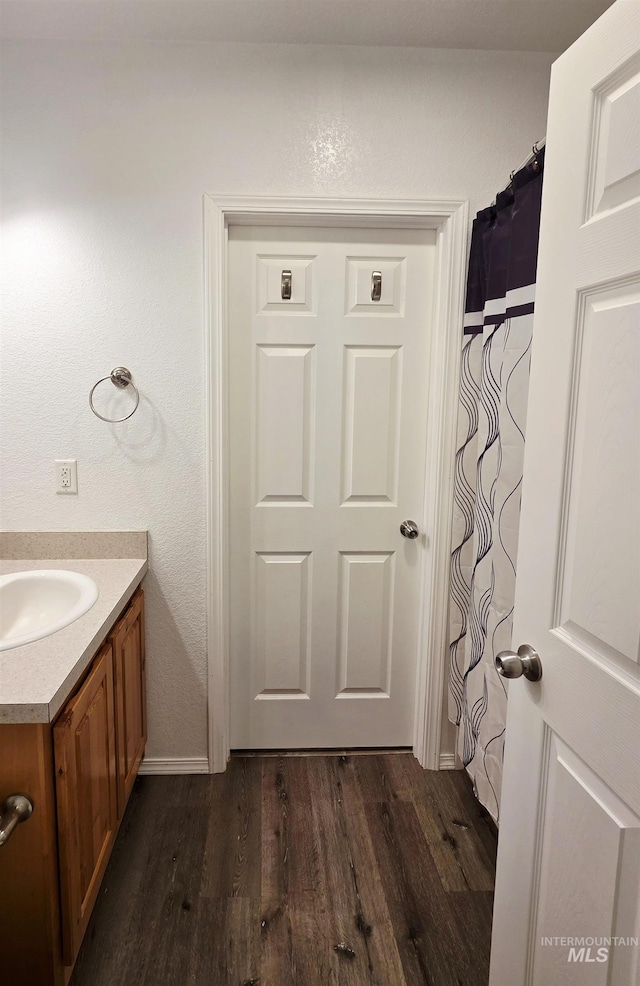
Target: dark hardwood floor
{"type": "Point", "coordinates": [297, 871]}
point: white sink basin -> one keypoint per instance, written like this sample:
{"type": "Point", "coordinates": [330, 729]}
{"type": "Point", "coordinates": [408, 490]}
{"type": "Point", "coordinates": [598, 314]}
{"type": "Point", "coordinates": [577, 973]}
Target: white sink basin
{"type": "Point", "coordinates": [36, 604]}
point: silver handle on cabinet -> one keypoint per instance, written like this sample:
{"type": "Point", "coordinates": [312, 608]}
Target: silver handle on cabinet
{"type": "Point", "coordinates": [17, 808]}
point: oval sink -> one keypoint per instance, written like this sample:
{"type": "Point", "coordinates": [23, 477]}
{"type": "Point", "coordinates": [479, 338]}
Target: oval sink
{"type": "Point", "coordinates": [36, 604]}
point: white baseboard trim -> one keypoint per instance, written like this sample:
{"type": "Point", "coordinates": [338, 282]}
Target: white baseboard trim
{"type": "Point", "coordinates": [200, 765]}
{"type": "Point", "coordinates": [447, 761]}
{"type": "Point", "coordinates": [188, 765]}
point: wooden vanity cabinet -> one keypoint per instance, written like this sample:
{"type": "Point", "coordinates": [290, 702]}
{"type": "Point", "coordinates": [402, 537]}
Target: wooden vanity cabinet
{"type": "Point", "coordinates": [78, 773]}
{"type": "Point", "coordinates": [99, 741]}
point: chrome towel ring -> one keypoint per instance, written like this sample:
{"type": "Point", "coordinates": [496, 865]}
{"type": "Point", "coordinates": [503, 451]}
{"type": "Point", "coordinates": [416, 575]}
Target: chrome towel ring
{"type": "Point", "coordinates": [120, 377]}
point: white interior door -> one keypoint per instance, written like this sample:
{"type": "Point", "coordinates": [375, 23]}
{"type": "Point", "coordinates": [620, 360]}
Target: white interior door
{"type": "Point", "coordinates": [328, 423]}
{"type": "Point", "coordinates": [567, 905]}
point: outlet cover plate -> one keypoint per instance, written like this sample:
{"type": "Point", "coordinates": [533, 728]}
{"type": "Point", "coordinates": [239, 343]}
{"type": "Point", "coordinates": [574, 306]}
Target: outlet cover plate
{"type": "Point", "coordinates": [66, 475]}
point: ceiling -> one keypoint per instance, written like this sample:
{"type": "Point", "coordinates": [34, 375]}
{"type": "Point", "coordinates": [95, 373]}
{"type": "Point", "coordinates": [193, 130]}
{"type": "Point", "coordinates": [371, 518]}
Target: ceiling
{"type": "Point", "coordinates": [515, 25]}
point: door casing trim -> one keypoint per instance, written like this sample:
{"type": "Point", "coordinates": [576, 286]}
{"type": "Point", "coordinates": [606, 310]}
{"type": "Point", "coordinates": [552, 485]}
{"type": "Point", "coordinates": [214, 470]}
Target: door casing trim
{"type": "Point", "coordinates": [449, 218]}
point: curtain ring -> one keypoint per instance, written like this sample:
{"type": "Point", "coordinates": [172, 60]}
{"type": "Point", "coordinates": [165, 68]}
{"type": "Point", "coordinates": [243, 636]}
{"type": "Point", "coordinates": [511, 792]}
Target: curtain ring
{"type": "Point", "coordinates": [534, 151]}
{"type": "Point", "coordinates": [120, 377]}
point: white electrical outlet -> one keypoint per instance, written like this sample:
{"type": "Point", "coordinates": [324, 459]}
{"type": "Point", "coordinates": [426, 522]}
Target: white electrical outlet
{"type": "Point", "coordinates": [66, 472]}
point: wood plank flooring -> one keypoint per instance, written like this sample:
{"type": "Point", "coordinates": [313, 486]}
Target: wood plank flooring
{"type": "Point", "coordinates": [353, 870]}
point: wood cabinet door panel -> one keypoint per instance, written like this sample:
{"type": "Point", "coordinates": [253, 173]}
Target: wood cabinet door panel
{"type": "Point", "coordinates": [29, 905]}
{"type": "Point", "coordinates": [131, 725]}
{"type": "Point", "coordinates": [85, 760]}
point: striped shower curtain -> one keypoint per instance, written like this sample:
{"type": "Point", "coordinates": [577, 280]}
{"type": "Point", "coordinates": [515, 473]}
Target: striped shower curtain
{"type": "Point", "coordinates": [488, 471]}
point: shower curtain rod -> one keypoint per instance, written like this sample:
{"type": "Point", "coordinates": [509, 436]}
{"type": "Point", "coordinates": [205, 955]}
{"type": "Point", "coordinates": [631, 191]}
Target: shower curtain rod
{"type": "Point", "coordinates": [539, 144]}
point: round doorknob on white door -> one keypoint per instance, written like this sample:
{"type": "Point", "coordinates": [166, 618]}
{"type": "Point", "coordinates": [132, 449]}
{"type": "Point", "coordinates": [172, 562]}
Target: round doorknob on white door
{"type": "Point", "coordinates": [526, 662]}
{"type": "Point", "coordinates": [409, 529]}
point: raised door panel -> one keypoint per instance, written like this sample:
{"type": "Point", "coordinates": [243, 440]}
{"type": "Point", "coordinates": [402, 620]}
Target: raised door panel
{"type": "Point", "coordinates": [284, 424]}
{"type": "Point", "coordinates": [361, 296]}
{"type": "Point", "coordinates": [587, 924]}
{"type": "Point", "coordinates": [599, 596]}
{"type": "Point", "coordinates": [282, 628]}
{"type": "Point", "coordinates": [129, 663]}
{"type": "Point", "coordinates": [270, 275]}
{"type": "Point", "coordinates": [365, 619]}
{"type": "Point", "coordinates": [370, 451]}
{"type": "Point", "coordinates": [85, 761]}
{"type": "Point", "coordinates": [614, 178]}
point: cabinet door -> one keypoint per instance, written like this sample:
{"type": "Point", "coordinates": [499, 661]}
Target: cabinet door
{"type": "Point", "coordinates": [131, 719]}
{"type": "Point", "coordinates": [85, 760]}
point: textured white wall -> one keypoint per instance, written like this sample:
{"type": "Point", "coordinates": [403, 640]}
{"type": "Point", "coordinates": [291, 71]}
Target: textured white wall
{"type": "Point", "coordinates": [108, 149]}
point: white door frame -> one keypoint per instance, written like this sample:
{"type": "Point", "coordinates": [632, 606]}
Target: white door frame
{"type": "Point", "coordinates": [449, 219]}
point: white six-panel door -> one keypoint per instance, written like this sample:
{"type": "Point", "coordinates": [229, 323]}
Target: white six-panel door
{"type": "Point", "coordinates": [328, 421]}
{"type": "Point", "coordinates": [567, 905]}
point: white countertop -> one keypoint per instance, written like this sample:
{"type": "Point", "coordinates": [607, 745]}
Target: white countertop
{"type": "Point", "coordinates": [37, 678]}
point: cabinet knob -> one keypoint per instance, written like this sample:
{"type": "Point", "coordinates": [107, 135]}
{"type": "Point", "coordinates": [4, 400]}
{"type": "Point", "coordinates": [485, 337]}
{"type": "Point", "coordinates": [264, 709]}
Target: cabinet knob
{"type": "Point", "coordinates": [17, 808]}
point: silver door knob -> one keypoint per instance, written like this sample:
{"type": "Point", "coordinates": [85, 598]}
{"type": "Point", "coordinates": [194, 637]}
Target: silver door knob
{"type": "Point", "coordinates": [409, 529]}
{"type": "Point", "coordinates": [526, 662]}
